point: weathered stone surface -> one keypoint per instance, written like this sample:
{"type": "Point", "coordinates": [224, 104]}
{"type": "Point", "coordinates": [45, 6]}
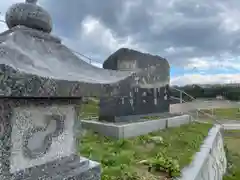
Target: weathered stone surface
{"type": "Point", "coordinates": [53, 142]}
{"type": "Point", "coordinates": [68, 168]}
{"type": "Point", "coordinates": [39, 65]}
{"type": "Point", "coordinates": [146, 98]}
{"type": "Point", "coordinates": [131, 60]}
{"type": "Point", "coordinates": [41, 133]}
{"type": "Point", "coordinates": [29, 15]}
{"type": "Point", "coordinates": [41, 85]}
{"type": "Point", "coordinates": [36, 133]}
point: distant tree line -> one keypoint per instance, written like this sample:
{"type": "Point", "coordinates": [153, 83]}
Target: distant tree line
{"type": "Point", "coordinates": [228, 92]}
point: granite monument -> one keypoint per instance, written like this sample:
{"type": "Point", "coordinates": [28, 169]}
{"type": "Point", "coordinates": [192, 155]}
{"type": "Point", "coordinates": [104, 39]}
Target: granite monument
{"type": "Point", "coordinates": [143, 98]}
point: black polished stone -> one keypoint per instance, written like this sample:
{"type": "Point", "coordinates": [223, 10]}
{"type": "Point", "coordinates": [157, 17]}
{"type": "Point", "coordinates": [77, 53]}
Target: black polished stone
{"type": "Point", "coordinates": [146, 98]}
{"type": "Point", "coordinates": [112, 108]}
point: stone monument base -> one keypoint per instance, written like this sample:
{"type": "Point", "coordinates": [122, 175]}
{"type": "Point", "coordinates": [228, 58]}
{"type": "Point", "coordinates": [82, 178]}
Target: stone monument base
{"type": "Point", "coordinates": [68, 168]}
{"type": "Point", "coordinates": [120, 130]}
{"type": "Point", "coordinates": [134, 118]}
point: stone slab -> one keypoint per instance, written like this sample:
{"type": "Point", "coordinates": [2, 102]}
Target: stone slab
{"type": "Point", "coordinates": [92, 173]}
{"type": "Point", "coordinates": [127, 130]}
{"type": "Point", "coordinates": [178, 121]}
{"type": "Point", "coordinates": [104, 128]}
{"type": "Point", "coordinates": [30, 116]}
{"type": "Point", "coordinates": [141, 102]}
{"type": "Point", "coordinates": [70, 168]}
{"type": "Point", "coordinates": [142, 128]}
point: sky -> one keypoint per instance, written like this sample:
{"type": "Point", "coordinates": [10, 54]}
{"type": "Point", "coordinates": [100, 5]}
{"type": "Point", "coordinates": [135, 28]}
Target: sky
{"type": "Point", "coordinates": [199, 38]}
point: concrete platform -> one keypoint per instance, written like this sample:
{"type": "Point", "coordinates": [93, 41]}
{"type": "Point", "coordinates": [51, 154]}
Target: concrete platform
{"type": "Point", "coordinates": [133, 129]}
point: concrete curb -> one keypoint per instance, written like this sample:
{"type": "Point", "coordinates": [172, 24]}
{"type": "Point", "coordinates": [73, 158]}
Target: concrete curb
{"type": "Point", "coordinates": [128, 130]}
{"type": "Point", "coordinates": [210, 162]}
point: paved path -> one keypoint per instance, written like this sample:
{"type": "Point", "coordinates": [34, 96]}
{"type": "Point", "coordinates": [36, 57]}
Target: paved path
{"type": "Point", "coordinates": [189, 108]}
{"type": "Point", "coordinates": [200, 104]}
{"type": "Point", "coordinates": [231, 126]}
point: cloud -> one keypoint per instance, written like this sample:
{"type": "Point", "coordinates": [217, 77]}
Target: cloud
{"type": "Point", "coordinates": [3, 26]}
{"type": "Point", "coordinates": [209, 62]}
{"type": "Point", "coordinates": [193, 29]}
{"type": "Point", "coordinates": [202, 35]}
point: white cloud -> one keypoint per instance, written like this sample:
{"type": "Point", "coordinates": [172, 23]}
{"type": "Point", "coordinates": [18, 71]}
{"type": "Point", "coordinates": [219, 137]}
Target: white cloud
{"type": "Point", "coordinates": [230, 21]}
{"type": "Point", "coordinates": [170, 50]}
{"type": "Point", "coordinates": [99, 35]}
{"type": "Point", "coordinates": [147, 27]}
{"type": "Point", "coordinates": [178, 50]}
{"type": "Point", "coordinates": [209, 63]}
{"type": "Point", "coordinates": [3, 25]}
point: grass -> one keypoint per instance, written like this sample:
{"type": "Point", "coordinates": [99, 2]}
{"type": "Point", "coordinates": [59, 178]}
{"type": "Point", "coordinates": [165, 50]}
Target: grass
{"type": "Point", "coordinates": [158, 155]}
{"type": "Point", "coordinates": [233, 155]}
{"type": "Point", "coordinates": [152, 157]}
{"type": "Point", "coordinates": [88, 109]}
{"type": "Point", "coordinates": [225, 113]}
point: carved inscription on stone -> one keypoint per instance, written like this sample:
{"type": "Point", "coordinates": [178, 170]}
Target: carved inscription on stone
{"type": "Point", "coordinates": [41, 135]}
{"type": "Point", "coordinates": [47, 140]}
{"type": "Point", "coordinates": [127, 65]}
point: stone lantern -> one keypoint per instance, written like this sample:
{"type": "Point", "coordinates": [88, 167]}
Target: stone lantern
{"type": "Point", "coordinates": [41, 86]}
{"type": "Point", "coordinates": [42, 83]}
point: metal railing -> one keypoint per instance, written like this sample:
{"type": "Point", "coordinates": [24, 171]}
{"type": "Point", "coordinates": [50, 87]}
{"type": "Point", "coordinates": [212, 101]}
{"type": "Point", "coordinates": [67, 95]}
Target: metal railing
{"type": "Point", "coordinates": [198, 111]}
{"type": "Point", "coordinates": [183, 92]}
